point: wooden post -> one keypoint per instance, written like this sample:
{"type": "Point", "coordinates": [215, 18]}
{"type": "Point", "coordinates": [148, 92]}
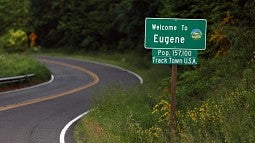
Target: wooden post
{"type": "Point", "coordinates": [173, 103]}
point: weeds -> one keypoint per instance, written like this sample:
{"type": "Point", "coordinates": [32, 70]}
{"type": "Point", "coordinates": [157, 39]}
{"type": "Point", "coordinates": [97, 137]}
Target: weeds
{"type": "Point", "coordinates": [214, 105]}
{"type": "Point", "coordinates": [16, 65]}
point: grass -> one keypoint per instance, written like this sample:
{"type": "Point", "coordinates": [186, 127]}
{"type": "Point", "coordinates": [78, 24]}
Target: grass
{"type": "Point", "coordinates": [212, 106]}
{"type": "Point", "coordinates": [18, 64]}
{"type": "Point", "coordinates": [121, 114]}
{"type": "Point", "coordinates": [118, 115]}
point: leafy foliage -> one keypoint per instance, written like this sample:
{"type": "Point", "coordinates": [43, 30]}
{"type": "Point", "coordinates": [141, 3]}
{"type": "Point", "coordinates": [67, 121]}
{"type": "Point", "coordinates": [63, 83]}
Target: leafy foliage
{"type": "Point", "coordinates": [118, 25]}
{"type": "Point", "coordinates": [45, 16]}
{"type": "Point", "coordinates": [207, 93]}
{"type": "Point", "coordinates": [13, 14]}
{"type": "Point", "coordinates": [14, 41]}
{"type": "Point", "coordinates": [93, 24]}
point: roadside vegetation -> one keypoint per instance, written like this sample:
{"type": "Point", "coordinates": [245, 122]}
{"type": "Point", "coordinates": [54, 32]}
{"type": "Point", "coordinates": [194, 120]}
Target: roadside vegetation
{"type": "Point", "coordinates": [215, 99]}
{"type": "Point", "coordinates": [17, 65]}
{"type": "Point", "coordinates": [123, 115]}
{"type": "Point", "coordinates": [215, 104]}
{"type": "Point", "coordinates": [15, 59]}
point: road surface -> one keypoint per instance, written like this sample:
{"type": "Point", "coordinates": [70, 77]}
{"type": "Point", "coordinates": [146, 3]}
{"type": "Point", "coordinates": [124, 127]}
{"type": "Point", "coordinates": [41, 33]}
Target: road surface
{"type": "Point", "coordinates": [37, 115]}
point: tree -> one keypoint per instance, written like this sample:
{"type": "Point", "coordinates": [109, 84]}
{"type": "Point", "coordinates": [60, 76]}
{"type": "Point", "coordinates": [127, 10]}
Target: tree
{"type": "Point", "coordinates": [45, 17]}
{"type": "Point", "coordinates": [222, 18]}
{"type": "Point", "coordinates": [14, 16]}
{"type": "Point", "coordinates": [93, 24]}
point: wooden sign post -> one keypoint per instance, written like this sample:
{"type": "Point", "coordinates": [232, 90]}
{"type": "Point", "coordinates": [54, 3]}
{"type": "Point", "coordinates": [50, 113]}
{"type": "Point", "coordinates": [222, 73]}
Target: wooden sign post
{"type": "Point", "coordinates": [173, 103]}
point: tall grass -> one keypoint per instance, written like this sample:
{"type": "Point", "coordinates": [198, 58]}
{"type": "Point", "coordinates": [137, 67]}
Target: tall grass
{"type": "Point", "coordinates": [213, 105]}
{"type": "Point", "coordinates": [118, 117]}
{"type": "Point", "coordinates": [17, 64]}
{"type": "Point", "coordinates": [123, 115]}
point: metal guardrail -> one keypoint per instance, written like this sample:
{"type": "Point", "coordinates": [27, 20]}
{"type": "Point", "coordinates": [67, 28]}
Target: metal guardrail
{"type": "Point", "coordinates": [16, 79]}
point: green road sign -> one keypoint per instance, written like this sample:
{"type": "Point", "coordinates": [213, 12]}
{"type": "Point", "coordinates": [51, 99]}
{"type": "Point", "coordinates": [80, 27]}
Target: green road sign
{"type": "Point", "coordinates": [177, 53]}
{"type": "Point", "coordinates": [175, 33]}
{"type": "Point", "coordinates": [175, 61]}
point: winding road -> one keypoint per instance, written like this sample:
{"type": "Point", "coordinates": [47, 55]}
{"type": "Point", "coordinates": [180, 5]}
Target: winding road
{"type": "Point", "coordinates": [38, 114]}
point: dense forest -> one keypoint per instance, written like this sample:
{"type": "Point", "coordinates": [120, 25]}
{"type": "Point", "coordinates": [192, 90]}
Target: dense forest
{"type": "Point", "coordinates": [92, 25]}
{"type": "Point", "coordinates": [118, 25]}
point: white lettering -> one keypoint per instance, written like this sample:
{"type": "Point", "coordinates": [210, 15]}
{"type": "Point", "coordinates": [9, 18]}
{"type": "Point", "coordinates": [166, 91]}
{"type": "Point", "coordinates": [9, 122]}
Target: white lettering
{"type": "Point", "coordinates": [175, 61]}
{"type": "Point", "coordinates": [154, 26]}
{"type": "Point", "coordinates": [155, 38]}
{"type": "Point", "coordinates": [168, 39]}
{"type": "Point", "coordinates": [163, 53]}
{"type": "Point", "coordinates": [184, 28]}
{"type": "Point", "coordinates": [163, 27]}
{"type": "Point", "coordinates": [159, 60]}
{"type": "Point", "coordinates": [190, 61]}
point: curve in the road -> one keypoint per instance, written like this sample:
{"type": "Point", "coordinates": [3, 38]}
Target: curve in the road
{"type": "Point", "coordinates": [29, 87]}
{"type": "Point", "coordinates": [43, 122]}
{"type": "Point", "coordinates": [113, 66]}
{"type": "Point", "coordinates": [94, 80]}
{"type": "Point", "coordinates": [69, 124]}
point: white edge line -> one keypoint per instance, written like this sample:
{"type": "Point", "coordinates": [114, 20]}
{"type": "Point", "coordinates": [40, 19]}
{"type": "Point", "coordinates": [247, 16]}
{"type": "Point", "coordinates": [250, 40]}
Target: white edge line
{"type": "Point", "coordinates": [120, 68]}
{"type": "Point", "coordinates": [110, 65]}
{"type": "Point", "coordinates": [30, 87]}
{"type": "Point", "coordinates": [64, 130]}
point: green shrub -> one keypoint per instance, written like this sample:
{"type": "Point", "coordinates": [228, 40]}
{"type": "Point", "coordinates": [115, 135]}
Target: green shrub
{"type": "Point", "coordinates": [14, 41]}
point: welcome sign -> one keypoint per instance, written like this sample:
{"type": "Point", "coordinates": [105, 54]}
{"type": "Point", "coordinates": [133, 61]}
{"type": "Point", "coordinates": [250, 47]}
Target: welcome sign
{"type": "Point", "coordinates": [175, 33]}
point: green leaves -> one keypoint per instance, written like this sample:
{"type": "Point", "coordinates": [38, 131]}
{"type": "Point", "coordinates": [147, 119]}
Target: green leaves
{"type": "Point", "coordinates": [14, 40]}
{"type": "Point", "coordinates": [92, 24]}
{"type": "Point", "coordinates": [13, 14]}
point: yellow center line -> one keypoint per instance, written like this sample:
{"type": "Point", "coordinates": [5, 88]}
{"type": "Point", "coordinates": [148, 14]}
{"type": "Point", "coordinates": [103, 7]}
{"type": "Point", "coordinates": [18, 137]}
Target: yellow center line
{"type": "Point", "coordinates": [94, 80]}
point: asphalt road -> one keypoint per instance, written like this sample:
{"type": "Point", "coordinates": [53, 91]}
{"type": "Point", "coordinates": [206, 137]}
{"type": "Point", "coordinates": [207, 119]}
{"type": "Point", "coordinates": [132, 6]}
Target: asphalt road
{"type": "Point", "coordinates": [38, 115]}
